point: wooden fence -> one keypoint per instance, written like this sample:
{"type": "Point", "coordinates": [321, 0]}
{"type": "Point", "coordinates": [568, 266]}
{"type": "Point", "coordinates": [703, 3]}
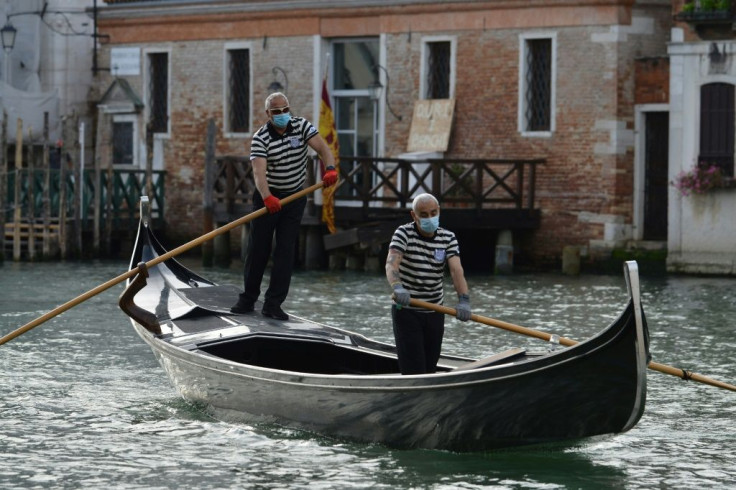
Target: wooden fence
{"type": "Point", "coordinates": [44, 212]}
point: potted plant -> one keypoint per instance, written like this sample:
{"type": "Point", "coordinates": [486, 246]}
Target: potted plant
{"type": "Point", "coordinates": [711, 19]}
{"type": "Point", "coordinates": [701, 179]}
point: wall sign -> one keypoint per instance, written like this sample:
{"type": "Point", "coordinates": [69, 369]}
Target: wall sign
{"type": "Point", "coordinates": [431, 125]}
{"type": "Point", "coordinates": [125, 61]}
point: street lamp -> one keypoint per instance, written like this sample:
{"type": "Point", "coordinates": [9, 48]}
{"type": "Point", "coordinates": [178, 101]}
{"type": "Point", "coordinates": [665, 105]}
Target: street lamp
{"type": "Point", "coordinates": [276, 86]}
{"type": "Point", "coordinates": [375, 89]}
{"type": "Point", "coordinates": [8, 34]}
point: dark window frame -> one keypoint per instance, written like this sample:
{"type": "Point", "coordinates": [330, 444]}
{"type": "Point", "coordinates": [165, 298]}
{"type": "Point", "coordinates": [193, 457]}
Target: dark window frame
{"type": "Point", "coordinates": [158, 91]}
{"type": "Point", "coordinates": [717, 126]}
{"type": "Point", "coordinates": [239, 89]}
{"type": "Point", "coordinates": [538, 80]}
{"type": "Point", "coordinates": [438, 73]}
{"type": "Point", "coordinates": [123, 142]}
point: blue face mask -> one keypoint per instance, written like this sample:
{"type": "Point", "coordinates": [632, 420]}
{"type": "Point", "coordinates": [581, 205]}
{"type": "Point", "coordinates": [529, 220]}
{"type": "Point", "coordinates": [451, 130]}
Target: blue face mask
{"type": "Point", "coordinates": [281, 120]}
{"type": "Point", "coordinates": [429, 225]}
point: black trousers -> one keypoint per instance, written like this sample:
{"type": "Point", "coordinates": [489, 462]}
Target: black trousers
{"type": "Point", "coordinates": [418, 338]}
{"type": "Point", "coordinates": [284, 228]}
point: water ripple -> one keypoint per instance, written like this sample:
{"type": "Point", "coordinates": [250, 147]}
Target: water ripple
{"type": "Point", "coordinates": [85, 405]}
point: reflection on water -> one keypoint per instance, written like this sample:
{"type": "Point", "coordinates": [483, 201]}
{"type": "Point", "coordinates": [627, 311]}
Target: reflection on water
{"type": "Point", "coordinates": [85, 405]}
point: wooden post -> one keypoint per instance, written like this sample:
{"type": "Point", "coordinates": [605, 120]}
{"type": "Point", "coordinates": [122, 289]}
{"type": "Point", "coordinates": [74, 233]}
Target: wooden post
{"type": "Point", "coordinates": [78, 186]}
{"type": "Point", "coordinates": [18, 169]}
{"type": "Point", "coordinates": [209, 185]}
{"type": "Point", "coordinates": [149, 162]}
{"type": "Point", "coordinates": [3, 181]}
{"type": "Point", "coordinates": [46, 189]}
{"type": "Point", "coordinates": [31, 194]}
{"type": "Point", "coordinates": [106, 155]}
{"type": "Point", "coordinates": [97, 191]}
{"type": "Point", "coordinates": [59, 148]}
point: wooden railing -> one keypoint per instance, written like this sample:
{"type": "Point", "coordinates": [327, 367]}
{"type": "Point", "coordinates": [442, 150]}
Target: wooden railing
{"type": "Point", "coordinates": [383, 184]}
{"type": "Point", "coordinates": [476, 183]}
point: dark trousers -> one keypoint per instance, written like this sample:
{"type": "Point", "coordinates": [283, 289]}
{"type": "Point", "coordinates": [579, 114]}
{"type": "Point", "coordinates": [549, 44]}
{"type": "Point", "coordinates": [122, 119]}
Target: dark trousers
{"type": "Point", "coordinates": [284, 228]}
{"type": "Point", "coordinates": [418, 338]}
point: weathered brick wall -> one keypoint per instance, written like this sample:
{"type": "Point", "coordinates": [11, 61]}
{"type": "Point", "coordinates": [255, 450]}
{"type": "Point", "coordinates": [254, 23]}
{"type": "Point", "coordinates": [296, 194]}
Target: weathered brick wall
{"type": "Point", "coordinates": [652, 80]}
{"type": "Point", "coordinates": [587, 181]}
{"type": "Point", "coordinates": [197, 95]}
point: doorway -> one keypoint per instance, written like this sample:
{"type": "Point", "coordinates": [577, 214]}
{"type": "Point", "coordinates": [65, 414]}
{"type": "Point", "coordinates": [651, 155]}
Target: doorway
{"type": "Point", "coordinates": [655, 185]}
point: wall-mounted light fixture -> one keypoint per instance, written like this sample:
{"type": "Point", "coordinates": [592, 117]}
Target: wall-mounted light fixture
{"type": "Point", "coordinates": [8, 34]}
{"type": "Point", "coordinates": [276, 86]}
{"type": "Point", "coordinates": [376, 88]}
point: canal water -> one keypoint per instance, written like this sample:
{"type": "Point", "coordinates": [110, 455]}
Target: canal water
{"type": "Point", "coordinates": [83, 403]}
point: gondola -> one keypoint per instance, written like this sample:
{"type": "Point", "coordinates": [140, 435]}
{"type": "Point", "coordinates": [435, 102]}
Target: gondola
{"type": "Point", "coordinates": [330, 381]}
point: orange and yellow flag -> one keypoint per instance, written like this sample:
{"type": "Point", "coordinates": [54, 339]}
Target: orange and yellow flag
{"type": "Point", "coordinates": [328, 131]}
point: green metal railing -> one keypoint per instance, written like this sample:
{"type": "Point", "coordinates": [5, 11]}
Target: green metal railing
{"type": "Point", "coordinates": [122, 194]}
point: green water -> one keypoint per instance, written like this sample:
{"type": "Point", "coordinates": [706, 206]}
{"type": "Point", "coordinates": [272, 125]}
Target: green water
{"type": "Point", "coordinates": [84, 404]}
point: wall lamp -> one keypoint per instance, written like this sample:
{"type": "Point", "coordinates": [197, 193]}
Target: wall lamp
{"type": "Point", "coordinates": [8, 34]}
{"type": "Point", "coordinates": [276, 86]}
{"type": "Point", "coordinates": [376, 88]}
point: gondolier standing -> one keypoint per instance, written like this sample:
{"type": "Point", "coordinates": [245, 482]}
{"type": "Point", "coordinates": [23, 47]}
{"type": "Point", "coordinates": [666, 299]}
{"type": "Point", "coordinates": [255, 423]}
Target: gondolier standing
{"type": "Point", "coordinates": [279, 157]}
{"type": "Point", "coordinates": [415, 267]}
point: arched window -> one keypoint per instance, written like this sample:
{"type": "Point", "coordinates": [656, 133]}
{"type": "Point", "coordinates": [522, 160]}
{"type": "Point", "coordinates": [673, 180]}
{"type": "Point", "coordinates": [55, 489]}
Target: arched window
{"type": "Point", "coordinates": [717, 125]}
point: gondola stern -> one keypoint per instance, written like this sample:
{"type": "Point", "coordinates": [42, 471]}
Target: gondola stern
{"type": "Point", "coordinates": [631, 272]}
{"type": "Point", "coordinates": [143, 223]}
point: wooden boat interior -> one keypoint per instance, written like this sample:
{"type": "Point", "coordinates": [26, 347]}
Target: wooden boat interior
{"type": "Point", "coordinates": [194, 314]}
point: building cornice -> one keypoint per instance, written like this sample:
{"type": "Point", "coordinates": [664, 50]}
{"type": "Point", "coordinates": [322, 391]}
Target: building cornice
{"type": "Point", "coordinates": [124, 9]}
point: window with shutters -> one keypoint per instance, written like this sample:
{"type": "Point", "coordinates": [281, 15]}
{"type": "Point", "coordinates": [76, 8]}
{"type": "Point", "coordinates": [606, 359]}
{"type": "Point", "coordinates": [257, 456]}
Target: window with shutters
{"type": "Point", "coordinates": [438, 60]}
{"type": "Point", "coordinates": [238, 89]}
{"type": "Point", "coordinates": [157, 90]}
{"type": "Point", "coordinates": [717, 126]}
{"type": "Point", "coordinates": [536, 85]}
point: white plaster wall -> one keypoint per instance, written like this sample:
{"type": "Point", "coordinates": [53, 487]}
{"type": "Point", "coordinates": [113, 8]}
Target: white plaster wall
{"type": "Point", "coordinates": [701, 228]}
{"type": "Point", "coordinates": [66, 53]}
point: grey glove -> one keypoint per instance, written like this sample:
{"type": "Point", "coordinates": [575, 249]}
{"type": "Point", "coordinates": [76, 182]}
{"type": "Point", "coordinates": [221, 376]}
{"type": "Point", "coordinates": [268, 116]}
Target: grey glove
{"type": "Point", "coordinates": [401, 295]}
{"type": "Point", "coordinates": [463, 307]}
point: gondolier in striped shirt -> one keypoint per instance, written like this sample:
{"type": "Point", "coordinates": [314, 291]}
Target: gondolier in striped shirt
{"type": "Point", "coordinates": [415, 268]}
{"type": "Point", "coordinates": [279, 157]}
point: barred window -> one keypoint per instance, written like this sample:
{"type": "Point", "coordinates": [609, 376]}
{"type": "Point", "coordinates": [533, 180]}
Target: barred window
{"type": "Point", "coordinates": [158, 92]}
{"type": "Point", "coordinates": [717, 126]}
{"type": "Point", "coordinates": [438, 70]}
{"type": "Point", "coordinates": [536, 97]}
{"type": "Point", "coordinates": [238, 100]}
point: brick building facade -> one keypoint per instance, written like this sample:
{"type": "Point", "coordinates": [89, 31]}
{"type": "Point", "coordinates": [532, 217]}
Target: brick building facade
{"type": "Point", "coordinates": [586, 190]}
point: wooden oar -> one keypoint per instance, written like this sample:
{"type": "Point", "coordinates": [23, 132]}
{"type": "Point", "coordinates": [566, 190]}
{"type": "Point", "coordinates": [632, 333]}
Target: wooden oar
{"type": "Point", "coordinates": [655, 366]}
{"type": "Point", "coordinates": [172, 253]}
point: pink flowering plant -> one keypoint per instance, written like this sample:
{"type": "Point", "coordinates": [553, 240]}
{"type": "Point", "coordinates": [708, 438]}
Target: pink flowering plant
{"type": "Point", "coordinates": [701, 179]}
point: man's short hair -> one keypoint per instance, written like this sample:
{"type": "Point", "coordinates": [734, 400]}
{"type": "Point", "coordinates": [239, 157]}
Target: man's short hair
{"type": "Point", "coordinates": [273, 96]}
{"type": "Point", "coordinates": [423, 198]}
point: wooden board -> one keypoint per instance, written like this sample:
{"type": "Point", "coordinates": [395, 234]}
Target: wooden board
{"type": "Point", "coordinates": [431, 124]}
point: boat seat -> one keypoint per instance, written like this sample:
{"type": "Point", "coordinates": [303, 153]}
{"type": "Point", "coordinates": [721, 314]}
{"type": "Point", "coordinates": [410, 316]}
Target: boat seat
{"type": "Point", "coordinates": [494, 359]}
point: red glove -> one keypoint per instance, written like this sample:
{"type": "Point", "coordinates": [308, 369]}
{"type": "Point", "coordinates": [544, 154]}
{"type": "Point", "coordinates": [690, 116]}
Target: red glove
{"type": "Point", "coordinates": [330, 177]}
{"type": "Point", "coordinates": [273, 204]}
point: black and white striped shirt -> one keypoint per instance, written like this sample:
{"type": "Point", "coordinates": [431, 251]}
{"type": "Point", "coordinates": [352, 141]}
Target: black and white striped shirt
{"type": "Point", "coordinates": [422, 267]}
{"type": "Point", "coordinates": [285, 154]}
